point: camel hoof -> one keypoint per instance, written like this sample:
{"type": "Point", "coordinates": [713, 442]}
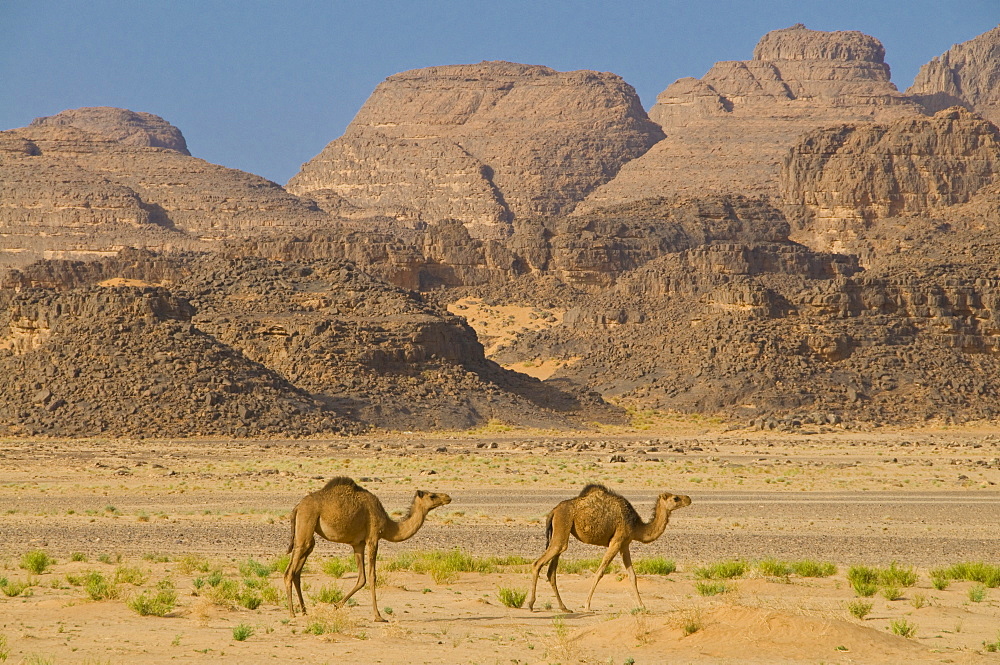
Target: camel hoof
{"type": "Point", "coordinates": [379, 620]}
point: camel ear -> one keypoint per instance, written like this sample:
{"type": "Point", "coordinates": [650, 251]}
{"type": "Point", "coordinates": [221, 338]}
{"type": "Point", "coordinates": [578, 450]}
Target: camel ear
{"type": "Point", "coordinates": [421, 493]}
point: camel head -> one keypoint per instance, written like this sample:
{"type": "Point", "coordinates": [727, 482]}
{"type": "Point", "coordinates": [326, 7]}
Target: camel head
{"type": "Point", "coordinates": [674, 501]}
{"type": "Point", "coordinates": [431, 500]}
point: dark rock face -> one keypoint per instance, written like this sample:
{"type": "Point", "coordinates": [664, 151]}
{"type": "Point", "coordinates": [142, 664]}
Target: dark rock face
{"type": "Point", "coordinates": [482, 143]}
{"type": "Point", "coordinates": [248, 347]}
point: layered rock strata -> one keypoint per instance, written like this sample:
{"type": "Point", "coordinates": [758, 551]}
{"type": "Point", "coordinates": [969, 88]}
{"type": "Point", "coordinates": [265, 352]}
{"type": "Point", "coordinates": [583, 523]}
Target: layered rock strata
{"type": "Point", "coordinates": [84, 183]}
{"type": "Point", "coordinates": [483, 144]}
{"type": "Point", "coordinates": [727, 131]}
{"type": "Point", "coordinates": [965, 75]}
{"type": "Point", "coordinates": [837, 181]}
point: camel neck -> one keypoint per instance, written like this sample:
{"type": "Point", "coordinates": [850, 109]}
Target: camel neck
{"type": "Point", "coordinates": [406, 527]}
{"type": "Point", "coordinates": [653, 529]}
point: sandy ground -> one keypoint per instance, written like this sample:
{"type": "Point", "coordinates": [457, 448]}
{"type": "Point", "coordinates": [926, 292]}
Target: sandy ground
{"type": "Point", "coordinates": [179, 510]}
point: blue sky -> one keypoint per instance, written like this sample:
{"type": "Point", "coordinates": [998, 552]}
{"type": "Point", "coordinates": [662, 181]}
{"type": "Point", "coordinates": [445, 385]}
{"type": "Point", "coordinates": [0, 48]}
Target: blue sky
{"type": "Point", "coordinates": [263, 86]}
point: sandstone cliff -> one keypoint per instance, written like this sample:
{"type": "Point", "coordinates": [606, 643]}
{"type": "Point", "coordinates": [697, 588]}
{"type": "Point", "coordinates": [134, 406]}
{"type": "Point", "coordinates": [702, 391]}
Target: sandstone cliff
{"type": "Point", "coordinates": [965, 75]}
{"type": "Point", "coordinates": [121, 126]}
{"type": "Point", "coordinates": [728, 131]}
{"type": "Point", "coordinates": [837, 181]}
{"type": "Point", "coordinates": [481, 143]}
{"type": "Point", "coordinates": [92, 181]}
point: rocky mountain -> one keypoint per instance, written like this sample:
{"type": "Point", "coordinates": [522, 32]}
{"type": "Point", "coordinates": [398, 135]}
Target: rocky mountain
{"type": "Point", "coordinates": [143, 344]}
{"type": "Point", "coordinates": [966, 75]}
{"type": "Point", "coordinates": [836, 181]}
{"type": "Point", "coordinates": [91, 181]}
{"type": "Point", "coordinates": [483, 144]}
{"type": "Point", "coordinates": [727, 132]}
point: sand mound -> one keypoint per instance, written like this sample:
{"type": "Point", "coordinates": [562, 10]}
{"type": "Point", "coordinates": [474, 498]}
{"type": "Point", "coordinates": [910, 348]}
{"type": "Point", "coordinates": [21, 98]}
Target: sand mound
{"type": "Point", "coordinates": [739, 634]}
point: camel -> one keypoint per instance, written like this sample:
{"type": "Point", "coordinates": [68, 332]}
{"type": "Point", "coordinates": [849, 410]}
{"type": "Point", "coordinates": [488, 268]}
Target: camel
{"type": "Point", "coordinates": [599, 516]}
{"type": "Point", "coordinates": [344, 512]}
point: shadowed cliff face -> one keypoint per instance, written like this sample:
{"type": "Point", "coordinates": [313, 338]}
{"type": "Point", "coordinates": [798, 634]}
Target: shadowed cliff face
{"type": "Point", "coordinates": [482, 143]}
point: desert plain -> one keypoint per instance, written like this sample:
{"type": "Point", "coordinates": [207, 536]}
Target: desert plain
{"type": "Point", "coordinates": [197, 517]}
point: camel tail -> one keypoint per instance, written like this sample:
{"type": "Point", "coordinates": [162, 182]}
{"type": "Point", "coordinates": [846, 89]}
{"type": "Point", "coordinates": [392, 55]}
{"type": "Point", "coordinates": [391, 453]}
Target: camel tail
{"type": "Point", "coordinates": [291, 541]}
{"type": "Point", "coordinates": [548, 530]}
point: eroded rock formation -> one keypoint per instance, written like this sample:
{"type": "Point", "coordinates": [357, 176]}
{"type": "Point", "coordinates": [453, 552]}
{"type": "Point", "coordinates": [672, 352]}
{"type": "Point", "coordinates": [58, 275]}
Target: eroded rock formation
{"type": "Point", "coordinates": [837, 181]}
{"type": "Point", "coordinates": [481, 143]}
{"type": "Point", "coordinates": [85, 183]}
{"type": "Point", "coordinates": [965, 75]}
{"type": "Point", "coordinates": [728, 131]}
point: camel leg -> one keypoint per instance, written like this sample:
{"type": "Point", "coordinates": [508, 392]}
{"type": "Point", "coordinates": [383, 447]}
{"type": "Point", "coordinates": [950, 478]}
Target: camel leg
{"type": "Point", "coordinates": [359, 558]}
{"type": "Point", "coordinates": [293, 574]}
{"type": "Point", "coordinates": [613, 550]}
{"type": "Point", "coordinates": [627, 560]}
{"type": "Point", "coordinates": [372, 557]}
{"type": "Point", "coordinates": [551, 575]}
{"type": "Point", "coordinates": [558, 542]}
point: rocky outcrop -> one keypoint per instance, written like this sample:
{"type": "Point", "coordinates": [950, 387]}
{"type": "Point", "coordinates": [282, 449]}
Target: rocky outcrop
{"type": "Point", "coordinates": [121, 126]}
{"type": "Point", "coordinates": [346, 347]}
{"type": "Point", "coordinates": [778, 336]}
{"type": "Point", "coordinates": [965, 75]}
{"type": "Point", "coordinates": [728, 131]}
{"type": "Point", "coordinates": [483, 144]}
{"type": "Point", "coordinates": [836, 181]}
{"type": "Point", "coordinates": [126, 361]}
{"type": "Point", "coordinates": [79, 184]}
{"type": "Point", "coordinates": [586, 252]}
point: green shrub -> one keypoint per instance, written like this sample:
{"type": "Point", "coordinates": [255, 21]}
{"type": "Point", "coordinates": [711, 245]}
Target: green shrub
{"type": "Point", "coordinates": [723, 570]}
{"type": "Point", "coordinates": [4, 649]}
{"type": "Point", "coordinates": [902, 627]}
{"type": "Point", "coordinates": [337, 566]}
{"type": "Point", "coordinates": [891, 592]}
{"type": "Point", "coordinates": [991, 647]}
{"type": "Point", "coordinates": [149, 604]}
{"type": "Point", "coordinates": [863, 580]}
{"type": "Point", "coordinates": [655, 566]}
{"type": "Point", "coordinates": [36, 561]}
{"type": "Point", "coordinates": [329, 594]}
{"type": "Point", "coordinates": [511, 597]}
{"type": "Point", "coordinates": [253, 567]}
{"type": "Point", "coordinates": [895, 575]}
{"type": "Point", "coordinates": [576, 566]}
{"type": "Point", "coordinates": [15, 588]}
{"type": "Point", "coordinates": [99, 588]}
{"type": "Point", "coordinates": [242, 632]}
{"type": "Point", "coordinates": [710, 588]}
{"type": "Point", "coordinates": [249, 600]}
{"type": "Point", "coordinates": [130, 575]}
{"type": "Point", "coordinates": [77, 556]}
{"type": "Point", "coordinates": [811, 568]}
{"type": "Point", "coordinates": [859, 609]}
{"type": "Point", "coordinates": [192, 563]}
{"type": "Point", "coordinates": [977, 592]}
{"type": "Point", "coordinates": [774, 568]}
{"type": "Point", "coordinates": [983, 573]}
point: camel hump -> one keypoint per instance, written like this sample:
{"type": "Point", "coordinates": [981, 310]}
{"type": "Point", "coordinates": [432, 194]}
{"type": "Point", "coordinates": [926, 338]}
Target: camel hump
{"type": "Point", "coordinates": [596, 487]}
{"type": "Point", "coordinates": [342, 480]}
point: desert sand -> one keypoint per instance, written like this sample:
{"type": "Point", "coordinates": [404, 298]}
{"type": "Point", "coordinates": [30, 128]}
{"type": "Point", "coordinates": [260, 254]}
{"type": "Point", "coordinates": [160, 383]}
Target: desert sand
{"type": "Point", "coordinates": [169, 514]}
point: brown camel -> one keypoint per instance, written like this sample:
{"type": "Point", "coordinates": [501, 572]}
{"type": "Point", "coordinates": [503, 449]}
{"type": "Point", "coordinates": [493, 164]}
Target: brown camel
{"type": "Point", "coordinates": [344, 512]}
{"type": "Point", "coordinates": [599, 516]}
